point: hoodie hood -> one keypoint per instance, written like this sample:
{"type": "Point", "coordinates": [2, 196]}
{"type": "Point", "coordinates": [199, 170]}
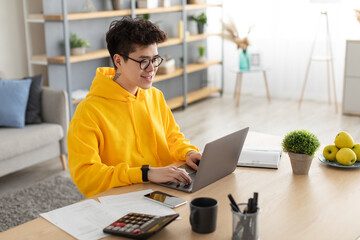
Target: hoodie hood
{"type": "Point", "coordinates": [104, 86]}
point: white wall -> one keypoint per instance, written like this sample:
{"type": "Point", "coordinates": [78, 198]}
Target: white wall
{"type": "Point", "coordinates": [13, 60]}
{"type": "Point", "coordinates": [284, 32]}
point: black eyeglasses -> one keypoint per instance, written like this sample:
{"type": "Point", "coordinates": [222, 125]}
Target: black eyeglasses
{"type": "Point", "coordinates": [144, 64]}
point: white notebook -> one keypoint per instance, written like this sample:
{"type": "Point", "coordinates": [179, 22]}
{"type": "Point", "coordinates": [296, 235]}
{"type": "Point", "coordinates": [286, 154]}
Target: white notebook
{"type": "Point", "coordinates": [260, 156]}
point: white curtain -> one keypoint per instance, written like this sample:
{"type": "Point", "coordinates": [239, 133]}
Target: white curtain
{"type": "Point", "coordinates": [283, 34]}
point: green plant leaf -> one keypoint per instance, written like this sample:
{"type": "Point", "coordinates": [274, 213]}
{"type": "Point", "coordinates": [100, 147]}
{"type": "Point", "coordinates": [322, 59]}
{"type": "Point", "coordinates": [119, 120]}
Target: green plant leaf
{"type": "Point", "coordinates": [300, 141]}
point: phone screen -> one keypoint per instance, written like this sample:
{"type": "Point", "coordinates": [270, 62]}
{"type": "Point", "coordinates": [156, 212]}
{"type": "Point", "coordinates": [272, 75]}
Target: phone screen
{"type": "Point", "coordinates": [165, 199]}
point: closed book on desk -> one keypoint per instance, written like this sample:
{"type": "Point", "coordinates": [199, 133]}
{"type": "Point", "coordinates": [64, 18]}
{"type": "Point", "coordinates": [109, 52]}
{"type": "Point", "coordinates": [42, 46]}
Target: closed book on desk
{"type": "Point", "coordinates": [260, 156]}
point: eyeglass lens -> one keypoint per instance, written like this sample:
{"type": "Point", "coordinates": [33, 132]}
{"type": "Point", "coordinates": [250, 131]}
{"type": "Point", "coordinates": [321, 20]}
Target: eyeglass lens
{"type": "Point", "coordinates": [146, 62]}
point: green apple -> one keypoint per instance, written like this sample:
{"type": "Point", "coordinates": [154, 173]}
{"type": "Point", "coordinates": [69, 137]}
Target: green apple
{"type": "Point", "coordinates": [346, 156]}
{"type": "Point", "coordinates": [356, 149]}
{"type": "Point", "coordinates": [344, 140]}
{"type": "Point", "coordinates": [330, 152]}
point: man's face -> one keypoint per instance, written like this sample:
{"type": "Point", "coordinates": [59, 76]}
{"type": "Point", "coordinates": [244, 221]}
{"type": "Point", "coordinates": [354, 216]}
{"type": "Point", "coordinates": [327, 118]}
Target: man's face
{"type": "Point", "coordinates": [132, 76]}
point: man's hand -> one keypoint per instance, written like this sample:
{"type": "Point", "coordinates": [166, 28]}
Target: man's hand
{"type": "Point", "coordinates": [168, 174]}
{"type": "Point", "coordinates": [192, 158]}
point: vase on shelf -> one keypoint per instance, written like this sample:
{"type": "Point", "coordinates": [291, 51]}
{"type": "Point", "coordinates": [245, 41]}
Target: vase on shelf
{"type": "Point", "coordinates": [244, 62]}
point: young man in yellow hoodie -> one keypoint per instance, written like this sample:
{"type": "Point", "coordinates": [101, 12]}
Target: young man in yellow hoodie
{"type": "Point", "coordinates": [124, 132]}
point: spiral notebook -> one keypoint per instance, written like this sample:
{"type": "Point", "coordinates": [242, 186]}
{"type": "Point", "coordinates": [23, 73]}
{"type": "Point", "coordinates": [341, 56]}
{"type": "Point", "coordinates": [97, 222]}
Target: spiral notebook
{"type": "Point", "coordinates": [260, 156]}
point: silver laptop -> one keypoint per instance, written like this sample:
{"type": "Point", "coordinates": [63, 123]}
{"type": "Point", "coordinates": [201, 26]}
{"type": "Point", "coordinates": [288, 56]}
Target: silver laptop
{"type": "Point", "coordinates": [218, 160]}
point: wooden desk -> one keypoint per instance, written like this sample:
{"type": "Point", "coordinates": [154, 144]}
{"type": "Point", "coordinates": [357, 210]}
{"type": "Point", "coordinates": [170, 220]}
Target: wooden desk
{"type": "Point", "coordinates": [322, 205]}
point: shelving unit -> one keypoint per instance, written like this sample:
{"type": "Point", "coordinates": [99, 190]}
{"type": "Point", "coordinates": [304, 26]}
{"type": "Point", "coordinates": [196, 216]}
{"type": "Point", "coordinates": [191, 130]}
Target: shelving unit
{"type": "Point", "coordinates": [67, 60]}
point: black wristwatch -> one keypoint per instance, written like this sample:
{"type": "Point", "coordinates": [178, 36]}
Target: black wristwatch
{"type": "Point", "coordinates": [145, 169]}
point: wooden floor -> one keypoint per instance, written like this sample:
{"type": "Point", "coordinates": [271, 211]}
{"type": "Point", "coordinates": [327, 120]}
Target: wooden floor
{"type": "Point", "coordinates": [214, 117]}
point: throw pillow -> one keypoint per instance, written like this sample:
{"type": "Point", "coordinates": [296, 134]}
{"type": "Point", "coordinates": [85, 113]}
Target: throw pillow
{"type": "Point", "coordinates": [13, 98]}
{"type": "Point", "coordinates": [33, 109]}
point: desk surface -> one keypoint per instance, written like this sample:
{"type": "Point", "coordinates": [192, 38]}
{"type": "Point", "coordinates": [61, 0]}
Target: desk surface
{"type": "Point", "coordinates": [322, 205]}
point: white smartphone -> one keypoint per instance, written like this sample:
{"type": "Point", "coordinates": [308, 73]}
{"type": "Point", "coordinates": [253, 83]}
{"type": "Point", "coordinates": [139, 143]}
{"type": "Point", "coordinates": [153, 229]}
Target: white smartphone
{"type": "Point", "coordinates": [165, 199]}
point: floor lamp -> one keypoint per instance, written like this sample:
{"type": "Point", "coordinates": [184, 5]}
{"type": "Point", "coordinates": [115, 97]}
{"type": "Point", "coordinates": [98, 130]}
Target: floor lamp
{"type": "Point", "coordinates": [328, 59]}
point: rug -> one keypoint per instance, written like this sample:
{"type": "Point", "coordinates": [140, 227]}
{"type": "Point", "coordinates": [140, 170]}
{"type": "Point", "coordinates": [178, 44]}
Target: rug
{"type": "Point", "coordinates": [26, 204]}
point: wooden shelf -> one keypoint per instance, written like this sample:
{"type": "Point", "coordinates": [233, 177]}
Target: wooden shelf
{"type": "Point", "coordinates": [39, 59]}
{"type": "Point", "coordinates": [35, 18]}
{"type": "Point", "coordinates": [192, 97]}
{"type": "Point", "coordinates": [158, 10]}
{"type": "Point", "coordinates": [102, 53]}
{"type": "Point", "coordinates": [117, 13]}
{"type": "Point", "coordinates": [178, 72]}
{"type": "Point", "coordinates": [194, 67]}
{"type": "Point", "coordinates": [200, 6]}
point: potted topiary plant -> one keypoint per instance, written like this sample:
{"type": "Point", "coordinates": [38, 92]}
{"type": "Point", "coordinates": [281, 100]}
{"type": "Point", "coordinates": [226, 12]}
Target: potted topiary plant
{"type": "Point", "coordinates": [301, 146]}
{"type": "Point", "coordinates": [78, 45]}
{"type": "Point", "coordinates": [201, 20]}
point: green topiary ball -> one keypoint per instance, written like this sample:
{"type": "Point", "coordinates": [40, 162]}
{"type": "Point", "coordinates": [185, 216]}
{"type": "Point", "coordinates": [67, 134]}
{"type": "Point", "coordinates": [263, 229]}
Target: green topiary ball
{"type": "Point", "coordinates": [300, 141]}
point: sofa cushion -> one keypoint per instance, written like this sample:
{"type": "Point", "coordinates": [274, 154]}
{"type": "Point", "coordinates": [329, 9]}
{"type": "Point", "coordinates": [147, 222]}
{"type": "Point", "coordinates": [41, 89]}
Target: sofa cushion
{"type": "Point", "coordinates": [15, 141]}
{"type": "Point", "coordinates": [13, 98]}
{"type": "Point", "coordinates": [33, 109]}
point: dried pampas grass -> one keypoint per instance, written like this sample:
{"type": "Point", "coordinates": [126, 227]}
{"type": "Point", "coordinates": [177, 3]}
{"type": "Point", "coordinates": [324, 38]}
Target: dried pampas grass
{"type": "Point", "coordinates": [233, 35]}
{"type": "Point", "coordinates": [357, 13]}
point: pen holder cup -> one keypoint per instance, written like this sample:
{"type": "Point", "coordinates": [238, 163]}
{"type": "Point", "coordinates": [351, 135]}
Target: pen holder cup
{"type": "Point", "coordinates": [245, 225]}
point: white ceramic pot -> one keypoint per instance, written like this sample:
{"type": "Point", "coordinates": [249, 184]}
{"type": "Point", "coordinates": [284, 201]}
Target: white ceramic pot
{"type": "Point", "coordinates": [300, 163]}
{"type": "Point", "coordinates": [78, 51]}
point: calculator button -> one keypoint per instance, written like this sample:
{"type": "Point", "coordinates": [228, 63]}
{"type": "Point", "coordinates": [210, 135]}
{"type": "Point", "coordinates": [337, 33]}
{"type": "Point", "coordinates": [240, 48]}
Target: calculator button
{"type": "Point", "coordinates": [136, 231]}
{"type": "Point", "coordinates": [136, 226]}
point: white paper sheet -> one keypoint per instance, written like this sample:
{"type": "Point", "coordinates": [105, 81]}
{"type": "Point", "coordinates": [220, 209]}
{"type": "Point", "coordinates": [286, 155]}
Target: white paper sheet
{"type": "Point", "coordinates": [87, 219]}
{"type": "Point", "coordinates": [83, 220]}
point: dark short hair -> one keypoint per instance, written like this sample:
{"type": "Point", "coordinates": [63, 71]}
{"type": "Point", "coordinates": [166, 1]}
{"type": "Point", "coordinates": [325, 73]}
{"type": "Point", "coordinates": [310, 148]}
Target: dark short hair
{"type": "Point", "coordinates": [125, 34]}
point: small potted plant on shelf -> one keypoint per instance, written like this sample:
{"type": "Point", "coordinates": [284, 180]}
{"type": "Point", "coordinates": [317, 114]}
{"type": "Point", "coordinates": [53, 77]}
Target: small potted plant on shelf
{"type": "Point", "coordinates": [78, 45]}
{"type": "Point", "coordinates": [201, 20]}
{"type": "Point", "coordinates": [301, 146]}
{"type": "Point", "coordinates": [201, 58]}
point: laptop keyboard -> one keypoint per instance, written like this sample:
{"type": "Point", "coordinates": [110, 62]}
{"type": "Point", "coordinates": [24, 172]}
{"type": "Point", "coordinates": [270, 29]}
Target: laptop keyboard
{"type": "Point", "coordinates": [182, 185]}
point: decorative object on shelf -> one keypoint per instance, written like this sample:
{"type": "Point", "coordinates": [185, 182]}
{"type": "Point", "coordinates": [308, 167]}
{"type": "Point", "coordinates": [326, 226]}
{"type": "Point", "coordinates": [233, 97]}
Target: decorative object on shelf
{"type": "Point", "coordinates": [201, 20]}
{"type": "Point", "coordinates": [167, 66]}
{"type": "Point", "coordinates": [301, 146]}
{"type": "Point", "coordinates": [201, 58]}
{"type": "Point", "coordinates": [165, 3]}
{"type": "Point", "coordinates": [78, 45]}
{"type": "Point", "coordinates": [117, 4]}
{"type": "Point", "coordinates": [195, 1]}
{"type": "Point", "coordinates": [147, 3]}
{"type": "Point", "coordinates": [89, 6]}
{"type": "Point", "coordinates": [181, 29]}
{"type": "Point", "coordinates": [181, 62]}
{"type": "Point", "coordinates": [242, 43]}
{"type": "Point", "coordinates": [244, 60]}
{"type": "Point", "coordinates": [255, 62]}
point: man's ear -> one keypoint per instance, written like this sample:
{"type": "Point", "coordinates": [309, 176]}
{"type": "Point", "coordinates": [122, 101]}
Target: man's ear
{"type": "Point", "coordinates": [117, 60]}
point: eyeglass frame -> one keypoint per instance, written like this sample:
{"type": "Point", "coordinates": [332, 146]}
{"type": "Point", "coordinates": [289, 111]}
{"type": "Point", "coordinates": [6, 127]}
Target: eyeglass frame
{"type": "Point", "coordinates": [151, 61]}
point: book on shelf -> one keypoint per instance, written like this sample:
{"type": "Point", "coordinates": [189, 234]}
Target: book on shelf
{"type": "Point", "coordinates": [260, 156]}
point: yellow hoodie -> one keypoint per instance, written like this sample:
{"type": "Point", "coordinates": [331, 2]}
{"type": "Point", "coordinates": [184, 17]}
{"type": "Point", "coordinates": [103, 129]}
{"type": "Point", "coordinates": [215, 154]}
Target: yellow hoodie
{"type": "Point", "coordinates": [113, 133]}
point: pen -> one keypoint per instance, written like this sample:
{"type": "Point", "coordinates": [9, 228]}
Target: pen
{"type": "Point", "coordinates": [233, 203]}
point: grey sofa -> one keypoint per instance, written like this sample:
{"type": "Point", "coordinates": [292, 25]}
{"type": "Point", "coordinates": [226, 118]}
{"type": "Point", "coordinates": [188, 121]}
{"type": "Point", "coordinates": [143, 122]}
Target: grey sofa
{"type": "Point", "coordinates": [23, 147]}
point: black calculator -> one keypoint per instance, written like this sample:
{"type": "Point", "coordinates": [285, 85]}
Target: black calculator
{"type": "Point", "coordinates": [138, 225]}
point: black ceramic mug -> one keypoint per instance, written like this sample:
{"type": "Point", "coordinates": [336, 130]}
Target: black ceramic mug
{"type": "Point", "coordinates": [203, 214]}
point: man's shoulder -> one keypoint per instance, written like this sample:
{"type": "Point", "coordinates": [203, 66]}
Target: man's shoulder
{"type": "Point", "coordinates": [154, 92]}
